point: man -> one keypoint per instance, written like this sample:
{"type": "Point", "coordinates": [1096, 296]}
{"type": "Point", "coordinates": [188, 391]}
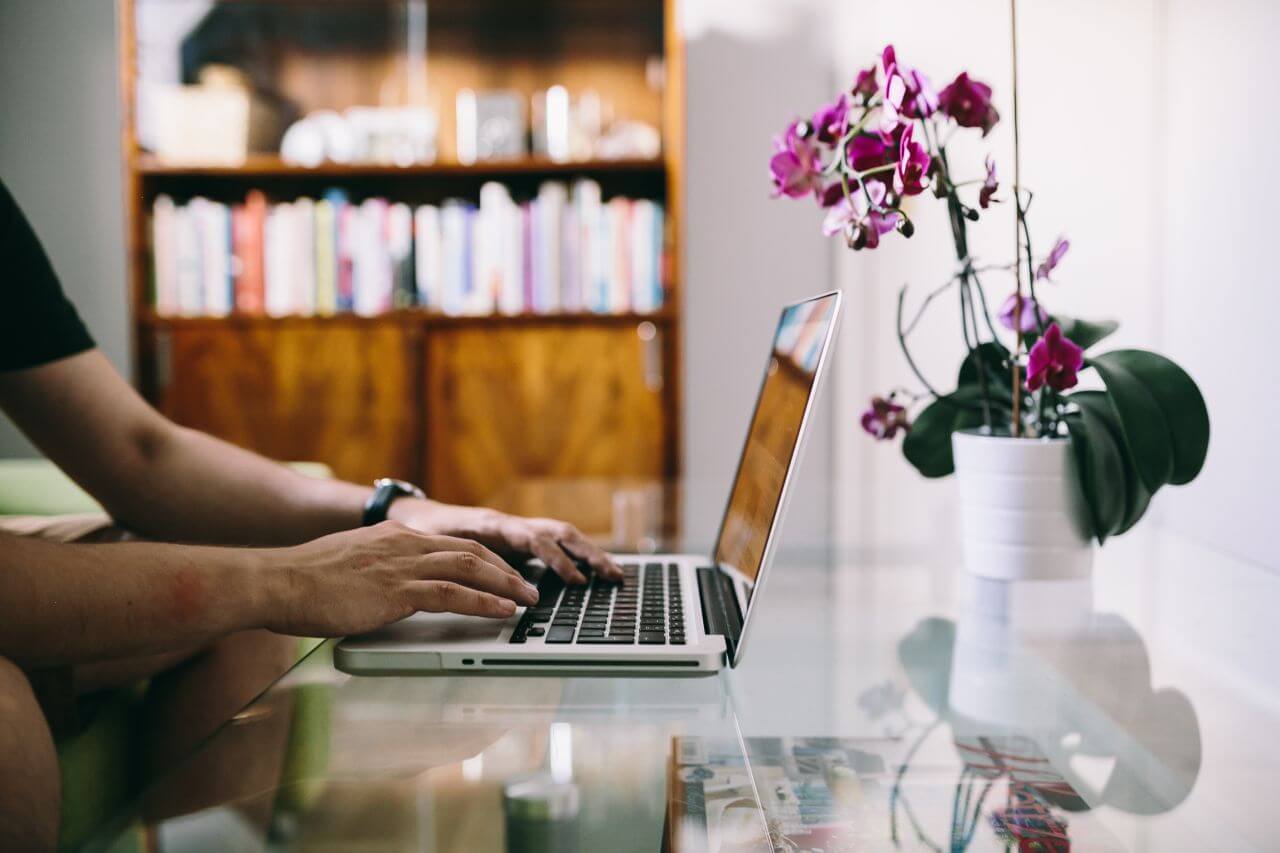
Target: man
{"type": "Point", "coordinates": [78, 617]}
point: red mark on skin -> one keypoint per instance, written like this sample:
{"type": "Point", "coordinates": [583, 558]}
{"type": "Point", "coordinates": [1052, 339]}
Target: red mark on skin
{"type": "Point", "coordinates": [186, 595]}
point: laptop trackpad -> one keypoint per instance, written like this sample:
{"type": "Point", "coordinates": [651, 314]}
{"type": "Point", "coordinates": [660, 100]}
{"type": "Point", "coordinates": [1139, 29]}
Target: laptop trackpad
{"type": "Point", "coordinates": [441, 628]}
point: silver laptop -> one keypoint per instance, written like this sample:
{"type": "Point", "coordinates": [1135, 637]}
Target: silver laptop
{"type": "Point", "coordinates": [673, 614]}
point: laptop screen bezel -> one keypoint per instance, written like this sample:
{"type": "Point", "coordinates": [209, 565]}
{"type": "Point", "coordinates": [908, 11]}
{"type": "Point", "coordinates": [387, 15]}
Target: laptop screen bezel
{"type": "Point", "coordinates": [744, 589]}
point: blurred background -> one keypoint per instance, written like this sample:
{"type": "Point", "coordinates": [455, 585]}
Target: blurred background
{"type": "Point", "coordinates": [134, 131]}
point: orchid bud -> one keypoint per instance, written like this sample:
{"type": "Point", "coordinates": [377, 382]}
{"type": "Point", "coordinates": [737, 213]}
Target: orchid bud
{"type": "Point", "coordinates": [804, 129]}
{"type": "Point", "coordinates": [907, 228]}
{"type": "Point", "coordinates": [971, 214]}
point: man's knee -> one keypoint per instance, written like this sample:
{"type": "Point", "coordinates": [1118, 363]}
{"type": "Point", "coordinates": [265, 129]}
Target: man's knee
{"type": "Point", "coordinates": [29, 788]}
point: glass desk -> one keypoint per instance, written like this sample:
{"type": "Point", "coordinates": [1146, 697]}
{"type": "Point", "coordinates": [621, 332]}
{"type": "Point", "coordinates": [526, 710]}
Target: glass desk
{"type": "Point", "coordinates": [881, 705]}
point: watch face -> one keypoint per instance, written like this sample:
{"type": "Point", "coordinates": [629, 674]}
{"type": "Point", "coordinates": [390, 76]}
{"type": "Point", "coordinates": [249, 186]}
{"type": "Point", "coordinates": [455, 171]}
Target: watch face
{"type": "Point", "coordinates": [400, 486]}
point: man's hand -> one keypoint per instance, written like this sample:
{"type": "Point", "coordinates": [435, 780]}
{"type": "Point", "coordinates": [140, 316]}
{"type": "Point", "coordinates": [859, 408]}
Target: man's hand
{"type": "Point", "coordinates": [544, 538]}
{"type": "Point", "coordinates": [362, 579]}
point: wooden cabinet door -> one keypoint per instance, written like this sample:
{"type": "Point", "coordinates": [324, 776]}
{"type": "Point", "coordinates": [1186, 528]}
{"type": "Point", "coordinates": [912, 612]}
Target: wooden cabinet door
{"type": "Point", "coordinates": [342, 392]}
{"type": "Point", "coordinates": [505, 404]}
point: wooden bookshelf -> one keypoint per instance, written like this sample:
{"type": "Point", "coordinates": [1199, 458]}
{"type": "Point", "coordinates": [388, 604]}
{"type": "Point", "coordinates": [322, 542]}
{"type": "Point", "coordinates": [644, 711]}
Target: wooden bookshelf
{"type": "Point", "coordinates": [469, 406]}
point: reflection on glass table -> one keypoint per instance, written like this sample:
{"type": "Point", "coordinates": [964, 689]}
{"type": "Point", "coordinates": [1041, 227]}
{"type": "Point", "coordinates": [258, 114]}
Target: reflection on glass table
{"type": "Point", "coordinates": [886, 705]}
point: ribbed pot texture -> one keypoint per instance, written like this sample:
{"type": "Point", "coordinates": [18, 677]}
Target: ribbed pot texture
{"type": "Point", "coordinates": [1021, 509]}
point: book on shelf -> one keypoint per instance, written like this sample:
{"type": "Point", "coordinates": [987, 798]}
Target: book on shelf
{"type": "Point", "coordinates": [565, 250]}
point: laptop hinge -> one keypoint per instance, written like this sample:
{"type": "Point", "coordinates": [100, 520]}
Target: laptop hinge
{"type": "Point", "coordinates": [720, 612]}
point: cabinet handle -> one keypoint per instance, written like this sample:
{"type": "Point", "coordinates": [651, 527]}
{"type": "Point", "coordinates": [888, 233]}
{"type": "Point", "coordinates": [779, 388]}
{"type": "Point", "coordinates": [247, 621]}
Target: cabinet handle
{"type": "Point", "coordinates": [651, 342]}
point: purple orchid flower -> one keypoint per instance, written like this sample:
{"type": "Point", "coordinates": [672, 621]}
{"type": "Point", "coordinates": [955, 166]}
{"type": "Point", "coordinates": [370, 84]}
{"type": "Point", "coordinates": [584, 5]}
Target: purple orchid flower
{"type": "Point", "coordinates": [884, 418]}
{"type": "Point", "coordinates": [1054, 361]}
{"type": "Point", "coordinates": [969, 103]}
{"type": "Point", "coordinates": [796, 167]}
{"type": "Point", "coordinates": [865, 84]}
{"type": "Point", "coordinates": [831, 121]}
{"type": "Point", "coordinates": [866, 151]}
{"type": "Point", "coordinates": [989, 186]}
{"type": "Point", "coordinates": [862, 224]}
{"type": "Point", "coordinates": [893, 90]}
{"type": "Point", "coordinates": [907, 92]}
{"type": "Point", "coordinates": [921, 100]}
{"type": "Point", "coordinates": [1055, 257]}
{"type": "Point", "coordinates": [831, 194]}
{"type": "Point", "coordinates": [912, 174]}
{"type": "Point", "coordinates": [1020, 312]}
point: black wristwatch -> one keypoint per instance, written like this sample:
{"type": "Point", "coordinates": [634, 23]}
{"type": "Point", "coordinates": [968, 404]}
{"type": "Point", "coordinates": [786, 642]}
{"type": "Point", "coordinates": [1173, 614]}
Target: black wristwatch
{"type": "Point", "coordinates": [385, 491]}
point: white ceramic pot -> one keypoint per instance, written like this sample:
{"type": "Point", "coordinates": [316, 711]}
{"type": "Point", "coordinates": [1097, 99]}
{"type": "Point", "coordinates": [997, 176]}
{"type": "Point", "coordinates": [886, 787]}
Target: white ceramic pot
{"type": "Point", "coordinates": [1022, 512]}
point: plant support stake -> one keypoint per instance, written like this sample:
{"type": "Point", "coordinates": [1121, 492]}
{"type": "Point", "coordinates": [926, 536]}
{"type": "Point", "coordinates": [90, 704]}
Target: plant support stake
{"type": "Point", "coordinates": [1017, 239]}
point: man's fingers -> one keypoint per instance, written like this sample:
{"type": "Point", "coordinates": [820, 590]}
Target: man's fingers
{"type": "Point", "coordinates": [468, 546]}
{"type": "Point", "coordinates": [582, 547]}
{"type": "Point", "coordinates": [444, 597]}
{"type": "Point", "coordinates": [548, 550]}
{"type": "Point", "coordinates": [468, 569]}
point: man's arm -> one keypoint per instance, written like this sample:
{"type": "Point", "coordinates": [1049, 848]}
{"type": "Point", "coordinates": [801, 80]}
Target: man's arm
{"type": "Point", "coordinates": [159, 479]}
{"type": "Point", "coordinates": [172, 483]}
{"type": "Point", "coordinates": [62, 604]}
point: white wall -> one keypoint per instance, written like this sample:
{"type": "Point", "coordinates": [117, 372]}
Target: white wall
{"type": "Point", "coordinates": [60, 157]}
{"type": "Point", "coordinates": [1220, 303]}
{"type": "Point", "coordinates": [750, 66]}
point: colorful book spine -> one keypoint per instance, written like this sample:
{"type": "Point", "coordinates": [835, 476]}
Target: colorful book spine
{"type": "Point", "coordinates": [348, 225]}
{"type": "Point", "coordinates": [164, 255]}
{"type": "Point", "coordinates": [526, 257]}
{"type": "Point", "coordinates": [548, 215]}
{"type": "Point", "coordinates": [326, 258]}
{"type": "Point", "coordinates": [302, 245]}
{"type": "Point", "coordinates": [219, 288]}
{"type": "Point", "coordinates": [427, 259]}
{"type": "Point", "coordinates": [248, 225]}
{"type": "Point", "coordinates": [400, 252]}
{"type": "Point", "coordinates": [189, 263]}
{"type": "Point", "coordinates": [455, 260]}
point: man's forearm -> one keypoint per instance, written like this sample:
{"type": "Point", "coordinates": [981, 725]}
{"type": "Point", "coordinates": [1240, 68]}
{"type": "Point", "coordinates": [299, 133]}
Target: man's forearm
{"type": "Point", "coordinates": [64, 604]}
{"type": "Point", "coordinates": [201, 489]}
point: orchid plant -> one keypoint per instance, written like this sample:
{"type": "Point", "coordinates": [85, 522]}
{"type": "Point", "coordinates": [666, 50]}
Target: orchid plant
{"type": "Point", "coordinates": [884, 141]}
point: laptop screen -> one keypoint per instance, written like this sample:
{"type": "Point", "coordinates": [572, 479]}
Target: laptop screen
{"type": "Point", "coordinates": [790, 375]}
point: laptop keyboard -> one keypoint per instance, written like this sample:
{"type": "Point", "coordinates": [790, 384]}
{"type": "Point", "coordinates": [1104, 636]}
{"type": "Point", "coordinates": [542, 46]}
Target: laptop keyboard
{"type": "Point", "coordinates": [646, 607]}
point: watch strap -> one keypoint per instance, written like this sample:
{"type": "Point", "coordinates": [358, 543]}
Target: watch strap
{"type": "Point", "coordinates": [385, 491]}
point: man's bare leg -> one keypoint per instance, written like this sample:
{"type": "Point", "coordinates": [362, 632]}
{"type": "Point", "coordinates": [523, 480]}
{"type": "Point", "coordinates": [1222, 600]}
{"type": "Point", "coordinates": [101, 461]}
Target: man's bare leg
{"type": "Point", "coordinates": [29, 786]}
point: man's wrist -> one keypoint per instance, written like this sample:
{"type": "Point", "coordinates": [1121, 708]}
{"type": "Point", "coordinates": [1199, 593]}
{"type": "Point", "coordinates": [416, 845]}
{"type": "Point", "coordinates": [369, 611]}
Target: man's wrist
{"type": "Point", "coordinates": [266, 579]}
{"type": "Point", "coordinates": [443, 519]}
{"type": "Point", "coordinates": [415, 512]}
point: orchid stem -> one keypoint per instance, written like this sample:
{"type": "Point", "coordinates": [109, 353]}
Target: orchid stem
{"type": "Point", "coordinates": [933, 294]}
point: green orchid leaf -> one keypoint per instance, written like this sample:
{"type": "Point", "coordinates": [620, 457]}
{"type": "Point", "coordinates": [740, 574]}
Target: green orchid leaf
{"type": "Point", "coordinates": [994, 358]}
{"type": "Point", "coordinates": [1097, 412]}
{"type": "Point", "coordinates": [1101, 467]}
{"type": "Point", "coordinates": [1085, 333]}
{"type": "Point", "coordinates": [1146, 431]}
{"type": "Point", "coordinates": [1166, 423]}
{"type": "Point", "coordinates": [928, 445]}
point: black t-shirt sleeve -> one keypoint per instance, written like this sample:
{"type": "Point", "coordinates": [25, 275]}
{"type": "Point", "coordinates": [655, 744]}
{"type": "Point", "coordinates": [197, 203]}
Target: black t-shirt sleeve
{"type": "Point", "coordinates": [37, 322]}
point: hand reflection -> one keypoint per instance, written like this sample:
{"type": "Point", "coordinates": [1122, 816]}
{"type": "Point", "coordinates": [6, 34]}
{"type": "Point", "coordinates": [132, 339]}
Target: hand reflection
{"type": "Point", "coordinates": [1028, 680]}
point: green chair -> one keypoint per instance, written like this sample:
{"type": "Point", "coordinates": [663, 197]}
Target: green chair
{"type": "Point", "coordinates": [98, 765]}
